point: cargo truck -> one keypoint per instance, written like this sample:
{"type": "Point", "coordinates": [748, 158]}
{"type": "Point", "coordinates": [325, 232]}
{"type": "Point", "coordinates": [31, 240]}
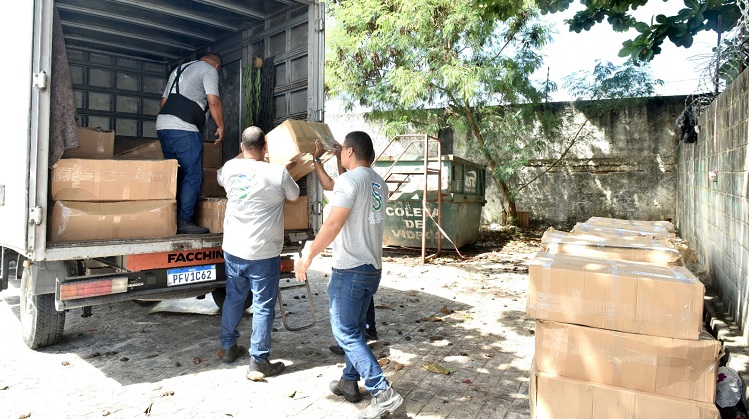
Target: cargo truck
{"type": "Point", "coordinates": [120, 53]}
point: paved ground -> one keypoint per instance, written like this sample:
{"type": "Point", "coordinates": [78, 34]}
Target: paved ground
{"type": "Point", "coordinates": [465, 315]}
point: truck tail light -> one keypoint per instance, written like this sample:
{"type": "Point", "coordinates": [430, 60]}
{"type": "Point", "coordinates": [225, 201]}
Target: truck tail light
{"type": "Point", "coordinates": [93, 288]}
{"type": "Point", "coordinates": [287, 265]}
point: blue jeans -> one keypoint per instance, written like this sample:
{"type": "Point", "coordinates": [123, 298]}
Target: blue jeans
{"type": "Point", "coordinates": [261, 277]}
{"type": "Point", "coordinates": [187, 148]}
{"type": "Point", "coordinates": [350, 292]}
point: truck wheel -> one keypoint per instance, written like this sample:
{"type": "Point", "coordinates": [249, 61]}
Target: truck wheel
{"type": "Point", "coordinates": [219, 295]}
{"type": "Point", "coordinates": [41, 323]}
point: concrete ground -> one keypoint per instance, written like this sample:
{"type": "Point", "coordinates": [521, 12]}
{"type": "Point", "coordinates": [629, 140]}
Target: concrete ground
{"type": "Point", "coordinates": [464, 315]}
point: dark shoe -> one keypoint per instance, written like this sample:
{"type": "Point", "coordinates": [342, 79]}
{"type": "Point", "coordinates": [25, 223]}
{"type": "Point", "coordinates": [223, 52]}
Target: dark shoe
{"type": "Point", "coordinates": [231, 354]}
{"type": "Point", "coordinates": [384, 403]}
{"type": "Point", "coordinates": [268, 369]}
{"type": "Point", "coordinates": [337, 350]}
{"type": "Point", "coordinates": [348, 389]}
{"type": "Point", "coordinates": [188, 227]}
{"type": "Point", "coordinates": [370, 335]}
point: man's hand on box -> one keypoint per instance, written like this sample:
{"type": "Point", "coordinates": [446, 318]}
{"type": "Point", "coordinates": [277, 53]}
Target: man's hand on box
{"type": "Point", "coordinates": [338, 149]}
{"type": "Point", "coordinates": [319, 149]}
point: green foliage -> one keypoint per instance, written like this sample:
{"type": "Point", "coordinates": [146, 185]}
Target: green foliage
{"type": "Point", "coordinates": [608, 81]}
{"type": "Point", "coordinates": [251, 79]}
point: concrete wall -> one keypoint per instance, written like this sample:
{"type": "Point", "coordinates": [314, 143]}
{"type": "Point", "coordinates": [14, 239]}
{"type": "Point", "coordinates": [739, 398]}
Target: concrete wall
{"type": "Point", "coordinates": [624, 166]}
{"type": "Point", "coordinates": [714, 215]}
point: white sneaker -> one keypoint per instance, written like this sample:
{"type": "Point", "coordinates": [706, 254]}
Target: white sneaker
{"type": "Point", "coordinates": [384, 403]}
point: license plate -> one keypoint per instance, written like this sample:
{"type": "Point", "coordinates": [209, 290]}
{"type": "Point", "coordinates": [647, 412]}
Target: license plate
{"type": "Point", "coordinates": [190, 275]}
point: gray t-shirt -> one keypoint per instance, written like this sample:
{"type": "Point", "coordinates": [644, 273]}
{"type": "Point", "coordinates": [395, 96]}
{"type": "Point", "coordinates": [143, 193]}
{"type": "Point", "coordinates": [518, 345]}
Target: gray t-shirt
{"type": "Point", "coordinates": [256, 192]}
{"type": "Point", "coordinates": [360, 240]}
{"type": "Point", "coordinates": [195, 83]}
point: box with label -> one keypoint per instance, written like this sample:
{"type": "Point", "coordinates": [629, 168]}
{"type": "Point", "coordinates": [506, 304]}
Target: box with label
{"type": "Point", "coordinates": [294, 142]}
{"type": "Point", "coordinates": [682, 368]}
{"type": "Point", "coordinates": [636, 249]}
{"type": "Point", "coordinates": [552, 396]}
{"type": "Point", "coordinates": [113, 180]}
{"type": "Point", "coordinates": [626, 296]}
{"type": "Point", "coordinates": [138, 148]}
{"type": "Point", "coordinates": [212, 156]}
{"type": "Point", "coordinates": [75, 221]}
{"type": "Point", "coordinates": [92, 144]}
{"type": "Point", "coordinates": [210, 212]}
{"type": "Point", "coordinates": [211, 187]}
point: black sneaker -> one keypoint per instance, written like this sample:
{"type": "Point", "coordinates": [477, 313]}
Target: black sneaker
{"type": "Point", "coordinates": [348, 389]}
{"type": "Point", "coordinates": [337, 350]}
{"type": "Point", "coordinates": [188, 227]}
{"type": "Point", "coordinates": [231, 354]}
{"type": "Point", "coordinates": [384, 403]}
{"type": "Point", "coordinates": [268, 369]}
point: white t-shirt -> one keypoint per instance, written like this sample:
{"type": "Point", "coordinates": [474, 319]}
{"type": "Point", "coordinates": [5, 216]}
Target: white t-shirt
{"type": "Point", "coordinates": [360, 240]}
{"type": "Point", "coordinates": [256, 192]}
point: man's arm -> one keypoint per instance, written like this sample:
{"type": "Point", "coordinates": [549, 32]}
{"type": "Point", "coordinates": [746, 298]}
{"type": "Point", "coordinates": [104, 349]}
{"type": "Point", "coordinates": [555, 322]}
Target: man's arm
{"type": "Point", "coordinates": [162, 102]}
{"type": "Point", "coordinates": [217, 113]}
{"type": "Point", "coordinates": [328, 232]}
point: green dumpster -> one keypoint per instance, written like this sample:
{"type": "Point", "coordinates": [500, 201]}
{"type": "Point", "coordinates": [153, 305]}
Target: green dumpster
{"type": "Point", "coordinates": [463, 196]}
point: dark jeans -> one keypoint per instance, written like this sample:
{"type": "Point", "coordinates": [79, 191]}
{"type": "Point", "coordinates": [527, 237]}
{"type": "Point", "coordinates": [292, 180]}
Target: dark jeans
{"type": "Point", "coordinates": [187, 148]}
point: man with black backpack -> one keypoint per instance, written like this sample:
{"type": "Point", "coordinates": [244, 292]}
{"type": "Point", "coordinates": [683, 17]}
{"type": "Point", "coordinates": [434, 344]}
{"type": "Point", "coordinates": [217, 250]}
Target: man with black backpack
{"type": "Point", "coordinates": [191, 89]}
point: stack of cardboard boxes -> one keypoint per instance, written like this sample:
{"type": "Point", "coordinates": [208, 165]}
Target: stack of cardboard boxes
{"type": "Point", "coordinates": [619, 326]}
{"type": "Point", "coordinates": [98, 197]}
{"type": "Point", "coordinates": [290, 144]}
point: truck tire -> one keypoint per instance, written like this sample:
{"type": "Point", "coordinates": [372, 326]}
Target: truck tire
{"type": "Point", "coordinates": [41, 323]}
{"type": "Point", "coordinates": [219, 295]}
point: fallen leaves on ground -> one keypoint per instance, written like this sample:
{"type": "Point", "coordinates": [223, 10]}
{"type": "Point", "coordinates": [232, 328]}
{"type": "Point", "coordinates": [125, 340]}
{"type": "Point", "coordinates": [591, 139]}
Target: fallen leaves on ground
{"type": "Point", "coordinates": [438, 369]}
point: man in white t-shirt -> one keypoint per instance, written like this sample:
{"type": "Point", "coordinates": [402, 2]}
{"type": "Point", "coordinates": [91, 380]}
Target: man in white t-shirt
{"type": "Point", "coordinates": [355, 226]}
{"type": "Point", "coordinates": [253, 240]}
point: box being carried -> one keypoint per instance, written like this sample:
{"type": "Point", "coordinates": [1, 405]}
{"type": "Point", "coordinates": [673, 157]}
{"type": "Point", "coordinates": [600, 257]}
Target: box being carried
{"type": "Point", "coordinates": [93, 144]}
{"type": "Point", "coordinates": [682, 368]}
{"type": "Point", "coordinates": [636, 249]}
{"type": "Point", "coordinates": [210, 213]}
{"type": "Point", "coordinates": [113, 180]}
{"type": "Point", "coordinates": [113, 220]}
{"type": "Point", "coordinates": [294, 142]}
{"type": "Point", "coordinates": [617, 295]}
{"type": "Point", "coordinates": [552, 396]}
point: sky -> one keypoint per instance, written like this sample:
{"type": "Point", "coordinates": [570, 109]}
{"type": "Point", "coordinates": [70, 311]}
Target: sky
{"type": "Point", "coordinates": [679, 68]}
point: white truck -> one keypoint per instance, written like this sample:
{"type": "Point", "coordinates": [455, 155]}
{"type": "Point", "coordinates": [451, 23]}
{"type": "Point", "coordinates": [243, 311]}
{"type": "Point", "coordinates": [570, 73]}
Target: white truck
{"type": "Point", "coordinates": [120, 53]}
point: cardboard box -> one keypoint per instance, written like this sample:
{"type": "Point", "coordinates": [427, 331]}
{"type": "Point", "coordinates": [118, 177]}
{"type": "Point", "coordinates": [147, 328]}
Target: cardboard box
{"type": "Point", "coordinates": [296, 214]}
{"type": "Point", "coordinates": [212, 157]}
{"type": "Point", "coordinates": [617, 295]}
{"type": "Point", "coordinates": [559, 397]}
{"type": "Point", "coordinates": [655, 226]}
{"type": "Point", "coordinates": [294, 141]}
{"type": "Point", "coordinates": [93, 144]}
{"type": "Point", "coordinates": [211, 188]}
{"type": "Point", "coordinates": [138, 148]}
{"type": "Point", "coordinates": [113, 180]}
{"type": "Point", "coordinates": [75, 221]}
{"type": "Point", "coordinates": [686, 369]}
{"type": "Point", "coordinates": [636, 249]}
{"type": "Point", "coordinates": [623, 232]}
{"type": "Point", "coordinates": [210, 213]}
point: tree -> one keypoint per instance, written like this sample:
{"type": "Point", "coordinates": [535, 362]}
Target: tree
{"type": "Point", "coordinates": [696, 16]}
{"type": "Point", "coordinates": [401, 56]}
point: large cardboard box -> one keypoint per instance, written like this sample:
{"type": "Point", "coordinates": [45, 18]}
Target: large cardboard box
{"type": "Point", "coordinates": [211, 188]}
{"type": "Point", "coordinates": [626, 233]}
{"type": "Point", "coordinates": [212, 155]}
{"type": "Point", "coordinates": [294, 142]}
{"type": "Point", "coordinates": [93, 144]}
{"type": "Point", "coordinates": [210, 213]}
{"type": "Point", "coordinates": [636, 249]}
{"type": "Point", "coordinates": [113, 220]}
{"type": "Point", "coordinates": [626, 296]}
{"type": "Point", "coordinates": [113, 180]}
{"type": "Point", "coordinates": [682, 368]}
{"type": "Point", "coordinates": [559, 397]}
{"type": "Point", "coordinates": [296, 214]}
{"type": "Point", "coordinates": [138, 148]}
{"type": "Point", "coordinates": [655, 226]}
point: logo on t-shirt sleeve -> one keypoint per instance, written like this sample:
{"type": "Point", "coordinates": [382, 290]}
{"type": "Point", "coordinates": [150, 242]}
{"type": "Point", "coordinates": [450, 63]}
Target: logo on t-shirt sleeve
{"type": "Point", "coordinates": [376, 216]}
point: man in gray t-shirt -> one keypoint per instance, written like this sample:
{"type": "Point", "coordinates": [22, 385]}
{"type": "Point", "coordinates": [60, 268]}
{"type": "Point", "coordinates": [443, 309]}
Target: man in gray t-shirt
{"type": "Point", "coordinates": [355, 226]}
{"type": "Point", "coordinates": [192, 89]}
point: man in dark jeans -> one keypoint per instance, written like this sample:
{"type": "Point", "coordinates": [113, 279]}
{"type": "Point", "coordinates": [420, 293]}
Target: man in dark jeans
{"type": "Point", "coordinates": [327, 184]}
{"type": "Point", "coordinates": [191, 89]}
